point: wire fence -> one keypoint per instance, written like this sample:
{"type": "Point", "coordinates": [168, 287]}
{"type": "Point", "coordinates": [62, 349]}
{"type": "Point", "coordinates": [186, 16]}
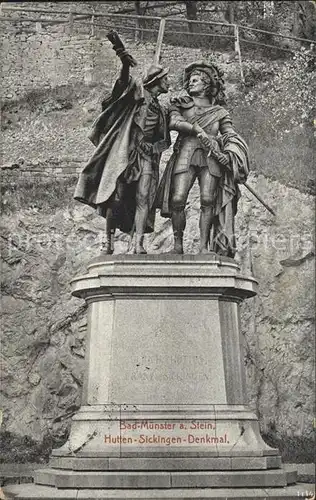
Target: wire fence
{"type": "Point", "coordinates": [161, 30]}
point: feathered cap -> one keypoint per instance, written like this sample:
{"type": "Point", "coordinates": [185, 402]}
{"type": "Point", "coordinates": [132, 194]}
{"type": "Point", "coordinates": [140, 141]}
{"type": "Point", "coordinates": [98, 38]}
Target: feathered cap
{"type": "Point", "coordinates": [212, 71]}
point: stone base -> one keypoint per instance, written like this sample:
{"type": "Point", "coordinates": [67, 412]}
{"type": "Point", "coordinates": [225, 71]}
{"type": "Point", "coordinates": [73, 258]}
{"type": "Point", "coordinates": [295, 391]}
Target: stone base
{"type": "Point", "coordinates": [166, 464]}
{"type": "Point", "coordinates": [164, 412]}
{"type": "Point", "coordinates": [165, 446]}
{"type": "Point", "coordinates": [156, 431]}
{"type": "Point", "coordinates": [36, 492]}
{"type": "Point", "coordinates": [163, 479]}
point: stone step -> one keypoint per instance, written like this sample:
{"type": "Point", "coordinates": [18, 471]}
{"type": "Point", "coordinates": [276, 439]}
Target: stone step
{"type": "Point", "coordinates": [34, 492]}
{"type": "Point", "coordinates": [216, 463]}
{"type": "Point", "coordinates": [15, 473]}
{"type": "Point", "coordinates": [12, 473]}
{"type": "Point", "coordinates": [174, 479]}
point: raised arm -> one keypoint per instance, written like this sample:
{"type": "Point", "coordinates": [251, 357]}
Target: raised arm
{"type": "Point", "coordinates": [121, 52]}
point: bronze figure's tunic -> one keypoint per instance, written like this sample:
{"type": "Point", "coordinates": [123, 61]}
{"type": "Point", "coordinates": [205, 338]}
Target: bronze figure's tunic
{"type": "Point", "coordinates": [189, 148]}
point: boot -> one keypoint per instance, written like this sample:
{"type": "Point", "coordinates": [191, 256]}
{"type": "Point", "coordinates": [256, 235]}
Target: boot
{"type": "Point", "coordinates": [178, 242]}
{"type": "Point", "coordinates": [108, 247]}
{"type": "Point", "coordinates": [139, 249]}
{"type": "Point", "coordinates": [178, 226]}
{"type": "Point", "coordinates": [205, 228]}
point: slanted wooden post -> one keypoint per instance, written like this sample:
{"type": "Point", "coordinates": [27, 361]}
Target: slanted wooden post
{"type": "Point", "coordinates": [92, 25]}
{"type": "Point", "coordinates": [137, 21]}
{"type": "Point", "coordinates": [238, 52]}
{"type": "Point", "coordinates": [159, 40]}
{"type": "Point", "coordinates": [70, 21]}
{"type": "Point", "coordinates": [231, 13]}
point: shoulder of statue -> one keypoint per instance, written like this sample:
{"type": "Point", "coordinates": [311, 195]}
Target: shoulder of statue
{"type": "Point", "coordinates": [224, 113]}
{"type": "Point", "coordinates": [220, 108]}
{"type": "Point", "coordinates": [182, 102]}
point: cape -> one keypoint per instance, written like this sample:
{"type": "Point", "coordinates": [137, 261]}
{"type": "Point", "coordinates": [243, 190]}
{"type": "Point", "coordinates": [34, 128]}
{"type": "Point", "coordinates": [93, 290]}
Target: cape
{"type": "Point", "coordinates": [114, 133]}
{"type": "Point", "coordinates": [222, 237]}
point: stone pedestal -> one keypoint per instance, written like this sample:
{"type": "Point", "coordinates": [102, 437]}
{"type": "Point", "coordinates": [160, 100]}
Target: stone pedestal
{"type": "Point", "coordinates": [164, 403]}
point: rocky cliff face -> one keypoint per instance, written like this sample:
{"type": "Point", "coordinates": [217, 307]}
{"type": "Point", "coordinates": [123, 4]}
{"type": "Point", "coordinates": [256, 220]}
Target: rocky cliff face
{"type": "Point", "coordinates": [47, 244]}
{"type": "Point", "coordinates": [47, 239]}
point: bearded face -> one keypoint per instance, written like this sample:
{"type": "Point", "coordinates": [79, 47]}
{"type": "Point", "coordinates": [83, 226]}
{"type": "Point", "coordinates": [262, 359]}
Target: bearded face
{"type": "Point", "coordinates": [164, 84]}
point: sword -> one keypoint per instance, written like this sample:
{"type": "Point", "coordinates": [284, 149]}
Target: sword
{"type": "Point", "coordinates": [219, 157]}
{"type": "Point", "coordinates": [256, 195]}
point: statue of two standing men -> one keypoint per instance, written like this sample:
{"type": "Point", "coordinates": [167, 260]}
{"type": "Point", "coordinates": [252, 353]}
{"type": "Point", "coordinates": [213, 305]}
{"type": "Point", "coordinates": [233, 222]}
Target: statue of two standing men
{"type": "Point", "coordinates": [121, 179]}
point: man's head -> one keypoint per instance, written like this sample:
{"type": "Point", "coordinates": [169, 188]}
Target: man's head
{"type": "Point", "coordinates": [156, 79]}
{"type": "Point", "coordinates": [203, 79]}
{"type": "Point", "coordinates": [199, 83]}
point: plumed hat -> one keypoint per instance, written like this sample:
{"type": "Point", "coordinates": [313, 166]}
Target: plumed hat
{"type": "Point", "coordinates": [154, 73]}
{"type": "Point", "coordinates": [214, 74]}
{"type": "Point", "coordinates": [211, 70]}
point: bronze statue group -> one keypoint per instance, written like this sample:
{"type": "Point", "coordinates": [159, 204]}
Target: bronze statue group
{"type": "Point", "coordinates": [121, 180]}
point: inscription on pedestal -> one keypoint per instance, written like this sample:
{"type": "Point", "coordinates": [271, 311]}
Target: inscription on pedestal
{"type": "Point", "coordinates": [167, 433]}
{"type": "Point", "coordinates": [168, 353]}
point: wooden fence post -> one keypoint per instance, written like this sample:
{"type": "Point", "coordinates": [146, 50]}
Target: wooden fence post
{"type": "Point", "coordinates": [92, 25]}
{"type": "Point", "coordinates": [137, 21]}
{"type": "Point", "coordinates": [238, 52]}
{"type": "Point", "coordinates": [70, 21]}
{"type": "Point", "coordinates": [159, 40]}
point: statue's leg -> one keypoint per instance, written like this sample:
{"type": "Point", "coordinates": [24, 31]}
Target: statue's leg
{"type": "Point", "coordinates": [111, 217]}
{"type": "Point", "coordinates": [110, 231]}
{"type": "Point", "coordinates": [181, 185]}
{"type": "Point", "coordinates": [142, 208]}
{"type": "Point", "coordinates": [208, 188]}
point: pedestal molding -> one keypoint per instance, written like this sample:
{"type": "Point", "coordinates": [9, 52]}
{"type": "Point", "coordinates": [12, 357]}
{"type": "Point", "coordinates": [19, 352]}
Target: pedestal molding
{"type": "Point", "coordinates": [164, 400]}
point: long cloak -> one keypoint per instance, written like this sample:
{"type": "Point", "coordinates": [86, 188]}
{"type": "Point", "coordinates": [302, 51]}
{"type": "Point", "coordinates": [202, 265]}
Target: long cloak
{"type": "Point", "coordinates": [114, 133]}
{"type": "Point", "coordinates": [222, 237]}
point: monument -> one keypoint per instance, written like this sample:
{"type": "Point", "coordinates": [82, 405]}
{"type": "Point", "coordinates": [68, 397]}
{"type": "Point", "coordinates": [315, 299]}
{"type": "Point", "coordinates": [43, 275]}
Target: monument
{"type": "Point", "coordinates": [164, 407]}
